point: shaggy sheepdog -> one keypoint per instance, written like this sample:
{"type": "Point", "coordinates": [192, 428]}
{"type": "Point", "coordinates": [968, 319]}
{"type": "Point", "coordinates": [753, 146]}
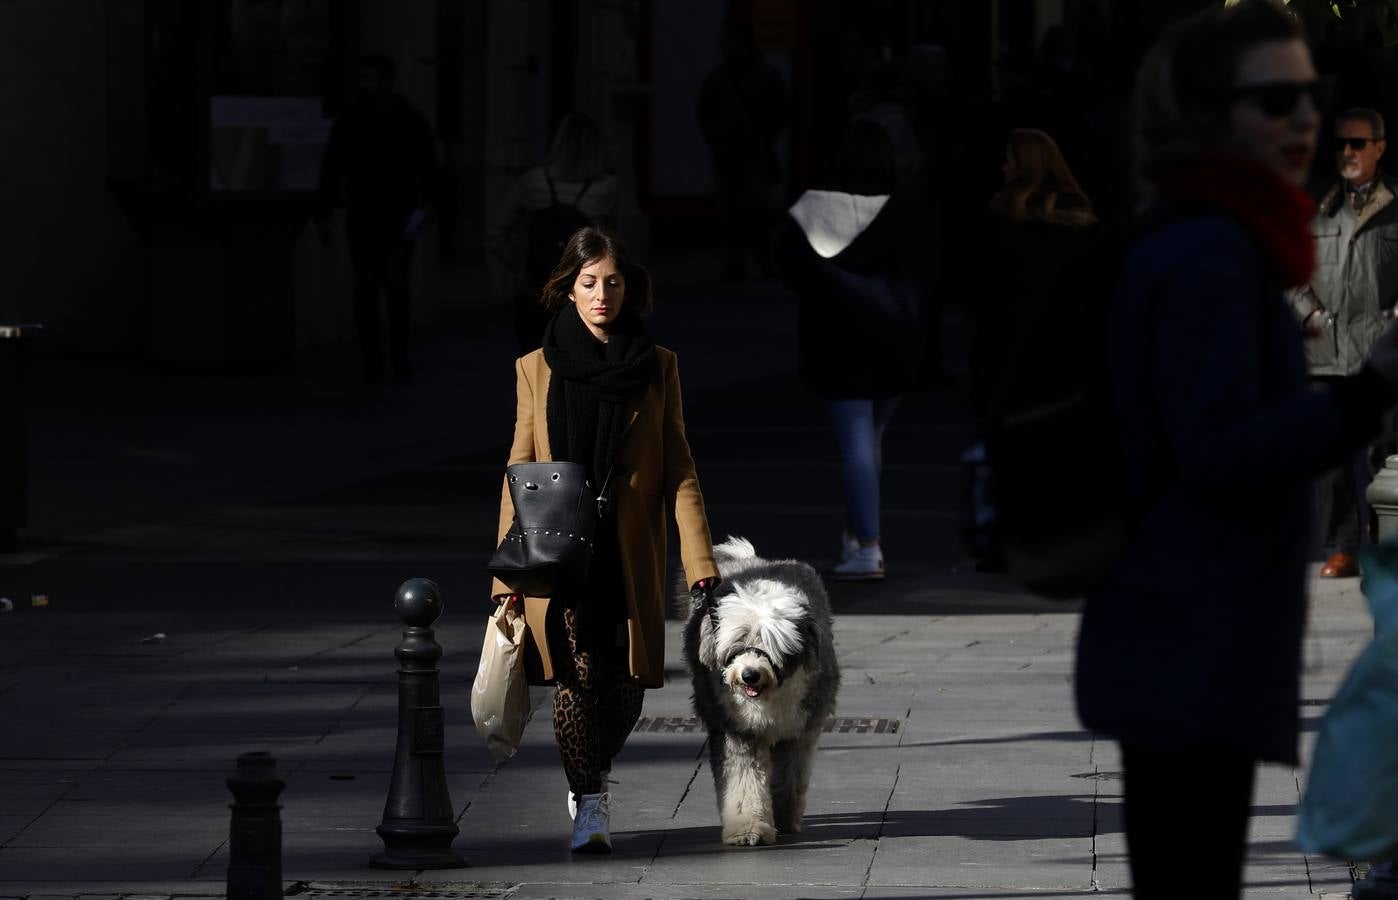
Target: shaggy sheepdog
{"type": "Point", "coordinates": [762, 660]}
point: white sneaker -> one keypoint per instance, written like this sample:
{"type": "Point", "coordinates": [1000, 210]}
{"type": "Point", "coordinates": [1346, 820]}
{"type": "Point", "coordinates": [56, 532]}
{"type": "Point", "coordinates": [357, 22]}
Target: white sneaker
{"type": "Point", "coordinates": [592, 826]}
{"type": "Point", "coordinates": [849, 545]}
{"type": "Point", "coordinates": [573, 801]}
{"type": "Point", "coordinates": [865, 564]}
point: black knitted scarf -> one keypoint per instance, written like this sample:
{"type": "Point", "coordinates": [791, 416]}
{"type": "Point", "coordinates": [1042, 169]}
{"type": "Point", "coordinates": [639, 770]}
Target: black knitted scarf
{"type": "Point", "coordinates": [591, 384]}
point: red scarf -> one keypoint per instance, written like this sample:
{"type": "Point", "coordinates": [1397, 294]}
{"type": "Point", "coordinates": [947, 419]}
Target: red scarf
{"type": "Point", "coordinates": [1275, 212]}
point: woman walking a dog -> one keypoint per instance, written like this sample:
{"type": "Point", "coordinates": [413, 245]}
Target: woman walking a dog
{"type": "Point", "coordinates": [601, 393]}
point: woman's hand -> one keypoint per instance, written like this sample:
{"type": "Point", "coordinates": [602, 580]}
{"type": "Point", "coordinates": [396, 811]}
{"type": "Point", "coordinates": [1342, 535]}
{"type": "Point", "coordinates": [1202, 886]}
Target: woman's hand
{"type": "Point", "coordinates": [703, 591]}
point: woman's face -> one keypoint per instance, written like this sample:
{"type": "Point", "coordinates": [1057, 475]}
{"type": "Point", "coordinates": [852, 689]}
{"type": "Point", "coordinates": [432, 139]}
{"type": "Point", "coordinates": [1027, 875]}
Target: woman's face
{"type": "Point", "coordinates": [1273, 116]}
{"type": "Point", "coordinates": [599, 292]}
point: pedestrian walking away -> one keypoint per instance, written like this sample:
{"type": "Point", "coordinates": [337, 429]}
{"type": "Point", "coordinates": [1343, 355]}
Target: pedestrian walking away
{"type": "Point", "coordinates": [381, 164]}
{"type": "Point", "coordinates": [1034, 222]}
{"type": "Point", "coordinates": [1189, 653]}
{"type": "Point", "coordinates": [601, 393]}
{"type": "Point", "coordinates": [856, 259]}
{"type": "Point", "coordinates": [1344, 307]}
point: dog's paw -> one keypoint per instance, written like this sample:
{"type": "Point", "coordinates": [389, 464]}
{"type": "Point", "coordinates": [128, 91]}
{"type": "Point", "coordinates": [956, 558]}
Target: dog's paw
{"type": "Point", "coordinates": [750, 834]}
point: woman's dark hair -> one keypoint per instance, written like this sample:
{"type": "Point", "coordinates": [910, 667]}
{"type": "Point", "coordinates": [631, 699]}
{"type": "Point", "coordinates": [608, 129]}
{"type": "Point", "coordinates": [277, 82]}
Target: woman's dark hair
{"type": "Point", "coordinates": [869, 164]}
{"type": "Point", "coordinates": [1183, 86]}
{"type": "Point", "coordinates": [585, 247]}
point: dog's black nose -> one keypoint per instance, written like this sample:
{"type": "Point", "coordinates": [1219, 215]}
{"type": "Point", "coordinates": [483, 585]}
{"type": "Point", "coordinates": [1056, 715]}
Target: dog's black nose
{"type": "Point", "coordinates": [751, 676]}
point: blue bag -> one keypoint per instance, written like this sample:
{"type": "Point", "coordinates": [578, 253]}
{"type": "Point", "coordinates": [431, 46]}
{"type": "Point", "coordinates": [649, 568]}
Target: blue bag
{"type": "Point", "coordinates": [1350, 806]}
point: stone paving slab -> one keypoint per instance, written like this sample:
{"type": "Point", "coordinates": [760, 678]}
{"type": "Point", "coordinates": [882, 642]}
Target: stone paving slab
{"type": "Point", "coordinates": [796, 860]}
{"type": "Point", "coordinates": [699, 891]}
{"type": "Point", "coordinates": [982, 893]}
{"type": "Point", "coordinates": [967, 862]}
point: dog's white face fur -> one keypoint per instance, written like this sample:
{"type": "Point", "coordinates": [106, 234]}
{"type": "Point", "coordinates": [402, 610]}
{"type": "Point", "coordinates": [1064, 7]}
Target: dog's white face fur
{"type": "Point", "coordinates": [757, 632]}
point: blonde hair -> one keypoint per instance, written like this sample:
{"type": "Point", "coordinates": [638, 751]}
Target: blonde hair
{"type": "Point", "coordinates": [1042, 182]}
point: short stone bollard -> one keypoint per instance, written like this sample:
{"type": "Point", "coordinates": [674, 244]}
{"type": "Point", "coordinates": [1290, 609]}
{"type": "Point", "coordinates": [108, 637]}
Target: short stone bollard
{"type": "Point", "coordinates": [255, 834]}
{"type": "Point", "coordinates": [419, 822]}
{"type": "Point", "coordinates": [1382, 495]}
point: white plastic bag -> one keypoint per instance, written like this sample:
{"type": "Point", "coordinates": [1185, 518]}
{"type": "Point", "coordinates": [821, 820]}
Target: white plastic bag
{"type": "Point", "coordinates": [500, 695]}
{"type": "Point", "coordinates": [1350, 807]}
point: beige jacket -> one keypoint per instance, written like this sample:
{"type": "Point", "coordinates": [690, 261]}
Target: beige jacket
{"type": "Point", "coordinates": [654, 474]}
{"type": "Point", "coordinates": [1355, 284]}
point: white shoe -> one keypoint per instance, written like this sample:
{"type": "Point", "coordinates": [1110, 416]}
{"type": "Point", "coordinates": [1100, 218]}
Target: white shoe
{"type": "Point", "coordinates": [592, 826]}
{"type": "Point", "coordinates": [573, 801]}
{"type": "Point", "coordinates": [849, 545]}
{"type": "Point", "coordinates": [865, 564]}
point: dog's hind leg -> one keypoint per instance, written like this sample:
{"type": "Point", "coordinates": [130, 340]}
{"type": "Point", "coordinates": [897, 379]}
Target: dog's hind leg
{"type": "Point", "coordinates": [742, 773]}
{"type": "Point", "coordinates": [791, 779]}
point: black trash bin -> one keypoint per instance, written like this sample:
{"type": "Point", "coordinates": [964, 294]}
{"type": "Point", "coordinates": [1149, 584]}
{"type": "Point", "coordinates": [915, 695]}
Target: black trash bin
{"type": "Point", "coordinates": [14, 437]}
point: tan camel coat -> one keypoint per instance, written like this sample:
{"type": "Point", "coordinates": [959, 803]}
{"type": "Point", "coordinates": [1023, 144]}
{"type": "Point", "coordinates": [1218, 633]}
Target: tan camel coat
{"type": "Point", "coordinates": [654, 473]}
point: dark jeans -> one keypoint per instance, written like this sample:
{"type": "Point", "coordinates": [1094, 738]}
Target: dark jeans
{"type": "Point", "coordinates": [1173, 800]}
{"type": "Point", "coordinates": [382, 261]}
{"type": "Point", "coordinates": [859, 428]}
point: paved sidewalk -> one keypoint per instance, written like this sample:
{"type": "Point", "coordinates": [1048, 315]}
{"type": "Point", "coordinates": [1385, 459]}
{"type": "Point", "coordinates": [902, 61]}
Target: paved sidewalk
{"type": "Point", "coordinates": [261, 524]}
{"type": "Point", "coordinates": [112, 773]}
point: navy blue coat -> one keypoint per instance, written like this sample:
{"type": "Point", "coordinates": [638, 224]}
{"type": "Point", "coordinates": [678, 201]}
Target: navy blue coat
{"type": "Point", "coordinates": [1194, 641]}
{"type": "Point", "coordinates": [861, 326]}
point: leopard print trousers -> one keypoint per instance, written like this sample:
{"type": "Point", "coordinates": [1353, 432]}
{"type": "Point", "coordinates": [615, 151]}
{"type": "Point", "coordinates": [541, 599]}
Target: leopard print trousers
{"type": "Point", "coordinates": [594, 709]}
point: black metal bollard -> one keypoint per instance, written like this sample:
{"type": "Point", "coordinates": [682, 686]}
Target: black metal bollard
{"type": "Point", "coordinates": [419, 822]}
{"type": "Point", "coordinates": [255, 835]}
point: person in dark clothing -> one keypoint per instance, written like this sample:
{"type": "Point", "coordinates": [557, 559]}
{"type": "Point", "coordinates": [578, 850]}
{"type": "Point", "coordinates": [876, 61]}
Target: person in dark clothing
{"type": "Point", "coordinates": [1032, 225]}
{"type": "Point", "coordinates": [857, 259]}
{"type": "Point", "coordinates": [1189, 654]}
{"type": "Point", "coordinates": [742, 111]}
{"type": "Point", "coordinates": [381, 164]}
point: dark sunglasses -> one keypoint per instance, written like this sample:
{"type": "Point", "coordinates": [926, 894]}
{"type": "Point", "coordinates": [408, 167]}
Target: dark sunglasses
{"type": "Point", "coordinates": [1355, 144]}
{"type": "Point", "coordinates": [1280, 98]}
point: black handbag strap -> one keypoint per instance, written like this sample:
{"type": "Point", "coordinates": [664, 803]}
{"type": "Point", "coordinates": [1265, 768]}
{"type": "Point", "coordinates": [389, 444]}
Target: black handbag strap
{"type": "Point", "coordinates": [604, 501]}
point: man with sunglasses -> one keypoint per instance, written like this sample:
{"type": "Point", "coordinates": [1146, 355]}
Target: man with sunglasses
{"type": "Point", "coordinates": [1346, 306]}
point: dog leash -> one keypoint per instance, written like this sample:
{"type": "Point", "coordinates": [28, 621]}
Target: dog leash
{"type": "Point", "coordinates": [701, 598]}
